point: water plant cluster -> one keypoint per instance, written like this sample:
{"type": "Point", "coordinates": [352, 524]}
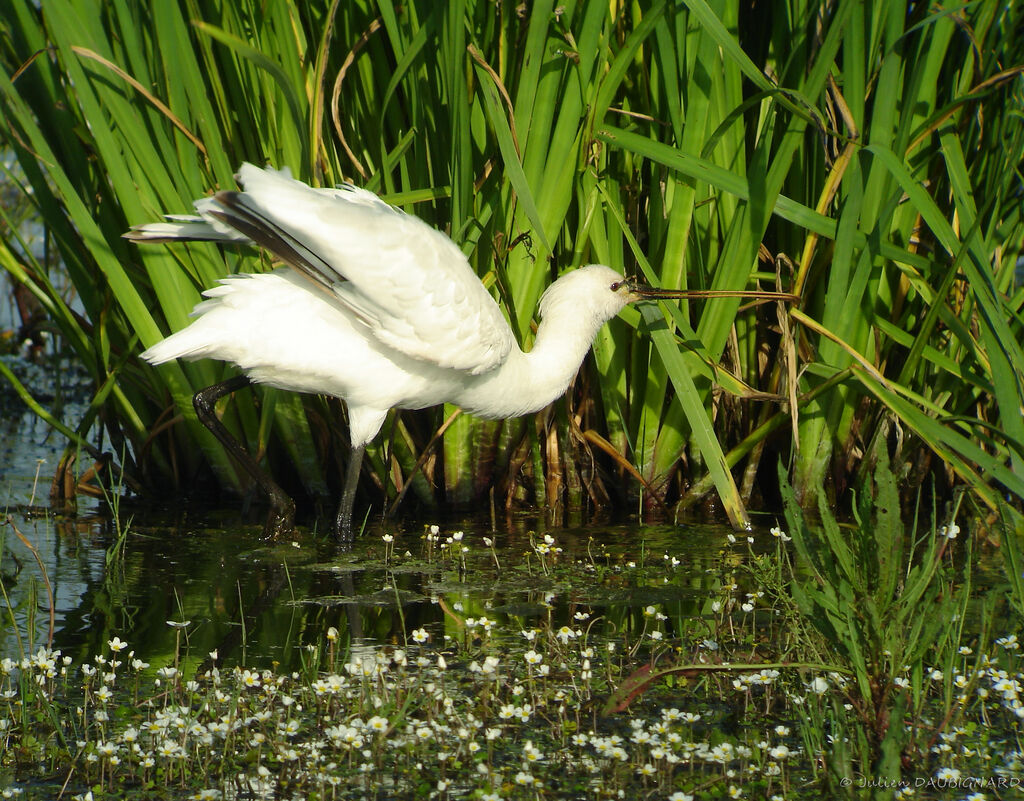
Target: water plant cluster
{"type": "Point", "coordinates": [734, 695]}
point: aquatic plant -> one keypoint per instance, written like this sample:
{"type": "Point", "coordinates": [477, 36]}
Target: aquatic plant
{"type": "Point", "coordinates": [498, 704]}
{"type": "Point", "coordinates": [889, 606]}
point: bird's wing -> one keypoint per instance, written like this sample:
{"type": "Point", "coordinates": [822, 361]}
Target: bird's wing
{"type": "Point", "coordinates": [405, 280]}
{"type": "Point", "coordinates": [186, 228]}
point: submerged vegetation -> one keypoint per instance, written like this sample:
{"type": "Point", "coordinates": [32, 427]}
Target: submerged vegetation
{"type": "Point", "coordinates": [863, 156]}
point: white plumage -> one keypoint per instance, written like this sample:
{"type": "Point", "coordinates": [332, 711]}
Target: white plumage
{"type": "Point", "coordinates": [375, 307]}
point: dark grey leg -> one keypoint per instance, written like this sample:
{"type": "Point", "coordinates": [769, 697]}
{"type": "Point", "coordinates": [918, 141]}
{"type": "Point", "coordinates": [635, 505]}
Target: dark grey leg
{"type": "Point", "coordinates": [282, 507]}
{"type": "Point", "coordinates": [348, 496]}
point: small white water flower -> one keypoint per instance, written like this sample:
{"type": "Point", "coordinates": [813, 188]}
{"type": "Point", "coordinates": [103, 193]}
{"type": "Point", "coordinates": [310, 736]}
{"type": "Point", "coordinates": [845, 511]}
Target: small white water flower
{"type": "Point", "coordinates": [565, 634]}
{"type": "Point", "coordinates": [819, 685]}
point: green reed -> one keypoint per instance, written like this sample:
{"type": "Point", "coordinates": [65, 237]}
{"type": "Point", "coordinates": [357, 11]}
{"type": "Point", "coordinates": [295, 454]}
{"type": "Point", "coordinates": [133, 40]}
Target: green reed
{"type": "Point", "coordinates": [863, 157]}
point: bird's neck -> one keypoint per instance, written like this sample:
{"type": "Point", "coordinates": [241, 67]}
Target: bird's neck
{"type": "Point", "coordinates": [527, 382]}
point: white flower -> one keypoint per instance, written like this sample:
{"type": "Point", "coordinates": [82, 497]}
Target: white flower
{"type": "Point", "coordinates": [565, 634]}
{"type": "Point", "coordinates": [533, 658]}
{"type": "Point", "coordinates": [779, 752]}
{"type": "Point", "coordinates": [819, 685]}
{"type": "Point", "coordinates": [531, 753]}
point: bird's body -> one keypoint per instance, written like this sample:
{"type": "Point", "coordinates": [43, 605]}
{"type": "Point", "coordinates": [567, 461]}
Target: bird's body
{"type": "Point", "coordinates": [375, 307]}
{"type": "Point", "coordinates": [252, 320]}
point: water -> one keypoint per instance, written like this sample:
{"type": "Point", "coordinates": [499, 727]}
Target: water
{"type": "Point", "coordinates": [258, 603]}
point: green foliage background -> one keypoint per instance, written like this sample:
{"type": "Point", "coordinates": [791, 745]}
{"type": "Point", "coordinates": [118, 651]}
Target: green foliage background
{"type": "Point", "coordinates": [864, 155]}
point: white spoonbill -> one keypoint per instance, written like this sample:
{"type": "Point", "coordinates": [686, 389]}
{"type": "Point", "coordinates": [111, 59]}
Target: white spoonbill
{"type": "Point", "coordinates": [374, 307]}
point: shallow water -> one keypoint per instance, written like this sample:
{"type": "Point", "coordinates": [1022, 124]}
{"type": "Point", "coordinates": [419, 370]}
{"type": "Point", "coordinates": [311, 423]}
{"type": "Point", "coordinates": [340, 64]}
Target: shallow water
{"type": "Point", "coordinates": [257, 603]}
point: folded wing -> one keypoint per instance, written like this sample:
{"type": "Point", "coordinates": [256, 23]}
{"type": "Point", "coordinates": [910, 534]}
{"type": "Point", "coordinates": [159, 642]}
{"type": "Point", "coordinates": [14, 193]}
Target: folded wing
{"type": "Point", "coordinates": [406, 281]}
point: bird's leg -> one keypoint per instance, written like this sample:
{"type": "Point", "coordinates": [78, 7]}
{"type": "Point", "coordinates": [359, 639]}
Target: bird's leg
{"type": "Point", "coordinates": [282, 507]}
{"type": "Point", "coordinates": [348, 496]}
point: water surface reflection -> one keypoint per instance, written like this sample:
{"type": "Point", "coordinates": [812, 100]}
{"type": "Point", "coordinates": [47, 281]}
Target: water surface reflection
{"type": "Point", "coordinates": [258, 603]}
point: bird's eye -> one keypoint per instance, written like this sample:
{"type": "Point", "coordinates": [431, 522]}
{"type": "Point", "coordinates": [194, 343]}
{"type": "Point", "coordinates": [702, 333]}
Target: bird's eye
{"type": "Point", "coordinates": [616, 285]}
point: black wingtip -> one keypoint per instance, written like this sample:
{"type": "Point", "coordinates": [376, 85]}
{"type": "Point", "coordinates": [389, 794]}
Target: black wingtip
{"type": "Point", "coordinates": [230, 198]}
{"type": "Point", "coordinates": [236, 211]}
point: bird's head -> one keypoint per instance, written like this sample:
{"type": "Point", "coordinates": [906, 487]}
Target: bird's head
{"type": "Point", "coordinates": [597, 291]}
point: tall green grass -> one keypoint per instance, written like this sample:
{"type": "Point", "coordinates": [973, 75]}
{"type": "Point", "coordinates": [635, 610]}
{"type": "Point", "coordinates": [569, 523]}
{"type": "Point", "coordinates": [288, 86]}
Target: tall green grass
{"type": "Point", "coordinates": [866, 155]}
